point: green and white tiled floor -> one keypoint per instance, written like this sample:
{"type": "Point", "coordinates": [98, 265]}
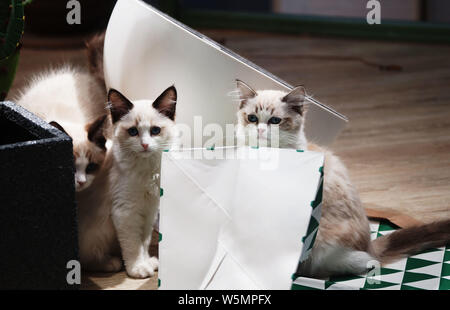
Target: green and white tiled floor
{"type": "Point", "coordinates": [429, 270]}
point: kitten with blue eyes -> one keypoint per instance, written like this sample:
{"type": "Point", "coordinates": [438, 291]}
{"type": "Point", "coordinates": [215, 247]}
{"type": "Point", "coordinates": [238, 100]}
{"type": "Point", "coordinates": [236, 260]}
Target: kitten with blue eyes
{"type": "Point", "coordinates": [256, 118]}
{"type": "Point", "coordinates": [343, 244]}
{"type": "Point", "coordinates": [117, 212]}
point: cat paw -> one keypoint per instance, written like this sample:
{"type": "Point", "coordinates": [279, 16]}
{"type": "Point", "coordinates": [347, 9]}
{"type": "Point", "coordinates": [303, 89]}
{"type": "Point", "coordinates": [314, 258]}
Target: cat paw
{"type": "Point", "coordinates": [113, 264]}
{"type": "Point", "coordinates": [141, 270]}
{"type": "Point", "coordinates": [154, 262]}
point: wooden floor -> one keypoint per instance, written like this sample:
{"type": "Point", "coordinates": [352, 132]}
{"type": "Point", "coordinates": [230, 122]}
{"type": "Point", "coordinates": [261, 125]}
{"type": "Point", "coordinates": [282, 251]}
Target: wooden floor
{"type": "Point", "coordinates": [397, 144]}
{"type": "Point", "coordinates": [116, 281]}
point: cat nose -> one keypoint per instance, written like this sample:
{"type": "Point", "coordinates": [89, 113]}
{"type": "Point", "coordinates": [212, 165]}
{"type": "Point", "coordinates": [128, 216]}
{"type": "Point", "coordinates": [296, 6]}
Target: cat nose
{"type": "Point", "coordinates": [81, 183]}
{"type": "Point", "coordinates": [261, 130]}
{"type": "Point", "coordinates": [145, 146]}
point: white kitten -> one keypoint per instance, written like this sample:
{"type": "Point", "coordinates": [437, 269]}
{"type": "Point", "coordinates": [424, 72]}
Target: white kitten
{"type": "Point", "coordinates": [73, 101]}
{"type": "Point", "coordinates": [126, 202]}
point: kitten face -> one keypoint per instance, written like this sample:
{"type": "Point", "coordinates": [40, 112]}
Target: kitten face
{"type": "Point", "coordinates": [88, 160]}
{"type": "Point", "coordinates": [88, 150]}
{"type": "Point", "coordinates": [261, 112]}
{"type": "Point", "coordinates": [143, 127]}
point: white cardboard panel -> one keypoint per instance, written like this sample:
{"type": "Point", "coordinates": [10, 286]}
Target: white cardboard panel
{"type": "Point", "coordinates": [253, 240]}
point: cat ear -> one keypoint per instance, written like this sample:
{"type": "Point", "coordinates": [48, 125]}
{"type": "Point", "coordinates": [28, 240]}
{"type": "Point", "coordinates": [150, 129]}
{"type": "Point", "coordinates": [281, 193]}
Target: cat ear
{"type": "Point", "coordinates": [245, 92]}
{"type": "Point", "coordinates": [295, 99]}
{"type": "Point", "coordinates": [58, 126]}
{"type": "Point", "coordinates": [95, 132]}
{"type": "Point", "coordinates": [166, 102]}
{"type": "Point", "coordinates": [119, 105]}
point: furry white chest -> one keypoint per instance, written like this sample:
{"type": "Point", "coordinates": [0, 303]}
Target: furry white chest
{"type": "Point", "coordinates": [136, 183]}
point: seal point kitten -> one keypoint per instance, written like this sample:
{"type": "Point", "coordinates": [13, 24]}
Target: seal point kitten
{"type": "Point", "coordinates": [120, 208]}
{"type": "Point", "coordinates": [343, 244]}
{"type": "Point", "coordinates": [72, 101]}
{"type": "Point", "coordinates": [259, 112]}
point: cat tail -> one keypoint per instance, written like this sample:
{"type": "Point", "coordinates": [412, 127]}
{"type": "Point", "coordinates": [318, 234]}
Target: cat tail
{"type": "Point", "coordinates": [408, 241]}
{"type": "Point", "coordinates": [94, 49]}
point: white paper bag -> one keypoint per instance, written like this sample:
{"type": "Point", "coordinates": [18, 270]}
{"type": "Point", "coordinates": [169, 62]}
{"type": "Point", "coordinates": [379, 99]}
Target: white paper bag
{"type": "Point", "coordinates": [237, 218]}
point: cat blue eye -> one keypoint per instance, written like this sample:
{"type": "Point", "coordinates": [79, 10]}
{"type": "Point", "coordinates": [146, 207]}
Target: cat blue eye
{"type": "Point", "coordinates": [252, 118]}
{"type": "Point", "coordinates": [274, 120]}
{"type": "Point", "coordinates": [133, 131]}
{"type": "Point", "coordinates": [155, 130]}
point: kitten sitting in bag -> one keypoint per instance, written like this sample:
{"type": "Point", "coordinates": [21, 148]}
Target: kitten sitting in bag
{"type": "Point", "coordinates": [74, 102]}
{"type": "Point", "coordinates": [117, 213]}
{"type": "Point", "coordinates": [343, 244]}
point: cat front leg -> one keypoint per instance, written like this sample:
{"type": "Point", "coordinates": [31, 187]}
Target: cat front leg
{"type": "Point", "coordinates": [153, 260]}
{"type": "Point", "coordinates": [149, 224]}
{"type": "Point", "coordinates": [130, 228]}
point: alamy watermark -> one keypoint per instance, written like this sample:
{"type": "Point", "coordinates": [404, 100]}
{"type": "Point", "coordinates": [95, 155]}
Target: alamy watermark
{"type": "Point", "coordinates": [229, 141]}
{"type": "Point", "coordinates": [374, 273]}
{"type": "Point", "coordinates": [74, 274]}
{"type": "Point", "coordinates": [73, 17]}
{"type": "Point", "coordinates": [374, 15]}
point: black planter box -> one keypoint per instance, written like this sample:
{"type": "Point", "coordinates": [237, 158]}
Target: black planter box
{"type": "Point", "coordinates": [38, 227]}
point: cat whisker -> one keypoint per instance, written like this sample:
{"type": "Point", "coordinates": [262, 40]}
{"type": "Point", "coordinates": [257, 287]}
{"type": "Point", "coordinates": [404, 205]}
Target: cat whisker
{"type": "Point", "coordinates": [234, 93]}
